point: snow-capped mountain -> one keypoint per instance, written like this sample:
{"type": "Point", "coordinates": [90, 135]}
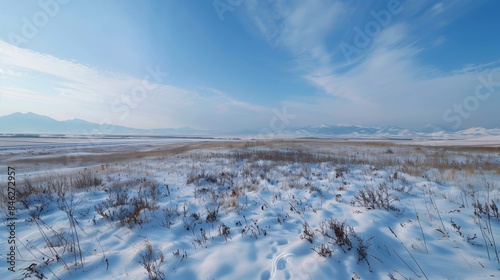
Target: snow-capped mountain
{"type": "Point", "coordinates": [34, 123]}
{"type": "Point", "coordinates": [387, 132]}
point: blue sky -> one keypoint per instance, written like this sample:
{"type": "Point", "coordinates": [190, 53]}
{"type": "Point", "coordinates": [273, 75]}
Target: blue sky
{"type": "Point", "coordinates": [243, 64]}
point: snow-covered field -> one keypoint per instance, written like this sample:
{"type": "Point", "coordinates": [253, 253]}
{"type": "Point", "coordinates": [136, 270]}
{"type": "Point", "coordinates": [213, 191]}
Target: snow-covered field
{"type": "Point", "coordinates": [252, 210]}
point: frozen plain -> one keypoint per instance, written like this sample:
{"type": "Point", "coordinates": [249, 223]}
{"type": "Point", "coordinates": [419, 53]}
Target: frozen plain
{"type": "Point", "coordinates": [294, 209]}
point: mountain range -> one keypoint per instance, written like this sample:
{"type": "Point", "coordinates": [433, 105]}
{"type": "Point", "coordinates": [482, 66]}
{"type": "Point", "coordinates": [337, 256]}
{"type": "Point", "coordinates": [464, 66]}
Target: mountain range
{"type": "Point", "coordinates": [31, 123]}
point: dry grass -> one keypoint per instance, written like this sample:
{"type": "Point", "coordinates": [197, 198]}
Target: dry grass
{"type": "Point", "coordinates": [436, 163]}
{"type": "Point", "coordinates": [284, 150]}
{"type": "Point", "coordinates": [133, 199]}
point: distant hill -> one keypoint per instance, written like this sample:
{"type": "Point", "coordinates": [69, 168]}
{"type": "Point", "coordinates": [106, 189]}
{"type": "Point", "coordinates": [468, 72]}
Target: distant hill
{"type": "Point", "coordinates": [33, 123]}
{"type": "Point", "coordinates": [389, 132]}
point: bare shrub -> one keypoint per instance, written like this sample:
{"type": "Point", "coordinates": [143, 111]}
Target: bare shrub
{"type": "Point", "coordinates": [339, 172]}
{"type": "Point", "coordinates": [212, 214]}
{"type": "Point", "coordinates": [26, 190]}
{"type": "Point", "coordinates": [323, 250]}
{"type": "Point", "coordinates": [190, 225]}
{"type": "Point", "coordinates": [32, 270]}
{"type": "Point", "coordinates": [225, 179]}
{"type": "Point", "coordinates": [342, 235]}
{"type": "Point", "coordinates": [170, 216]}
{"type": "Point", "coordinates": [253, 229]}
{"type": "Point", "coordinates": [307, 233]}
{"type": "Point", "coordinates": [362, 248]}
{"type": "Point", "coordinates": [337, 231]}
{"type": "Point", "coordinates": [87, 178]}
{"type": "Point", "coordinates": [224, 231]}
{"type": "Point", "coordinates": [56, 191]}
{"type": "Point", "coordinates": [119, 206]}
{"type": "Point", "coordinates": [200, 239]}
{"type": "Point", "coordinates": [63, 187]}
{"type": "Point", "coordinates": [488, 209]}
{"type": "Point", "coordinates": [149, 194]}
{"type": "Point", "coordinates": [151, 260]}
{"type": "Point", "coordinates": [230, 199]}
{"type": "Point", "coordinates": [117, 198]}
{"type": "Point", "coordinates": [404, 187]}
{"type": "Point", "coordinates": [374, 198]}
{"type": "Point", "coordinates": [34, 196]}
{"type": "Point", "coordinates": [197, 178]}
{"type": "Point", "coordinates": [191, 177]}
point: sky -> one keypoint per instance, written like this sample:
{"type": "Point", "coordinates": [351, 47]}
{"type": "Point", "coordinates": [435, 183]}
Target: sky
{"type": "Point", "coordinates": [246, 64]}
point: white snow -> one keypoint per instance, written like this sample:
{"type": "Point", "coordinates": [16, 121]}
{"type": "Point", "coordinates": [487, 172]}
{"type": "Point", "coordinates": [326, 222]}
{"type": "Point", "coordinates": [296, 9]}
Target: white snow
{"type": "Point", "coordinates": [265, 203]}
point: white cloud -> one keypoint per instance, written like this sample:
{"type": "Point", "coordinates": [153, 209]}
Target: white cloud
{"type": "Point", "coordinates": [438, 8]}
{"type": "Point", "coordinates": [64, 90]}
{"type": "Point", "coordinates": [301, 26]}
{"type": "Point", "coordinates": [388, 84]}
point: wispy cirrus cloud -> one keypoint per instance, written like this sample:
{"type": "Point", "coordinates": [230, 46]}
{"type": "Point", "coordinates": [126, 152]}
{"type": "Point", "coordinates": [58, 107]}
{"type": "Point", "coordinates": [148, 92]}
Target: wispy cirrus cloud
{"type": "Point", "coordinates": [406, 66]}
{"type": "Point", "coordinates": [45, 84]}
{"type": "Point", "coordinates": [388, 82]}
{"type": "Point", "coordinates": [300, 26]}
